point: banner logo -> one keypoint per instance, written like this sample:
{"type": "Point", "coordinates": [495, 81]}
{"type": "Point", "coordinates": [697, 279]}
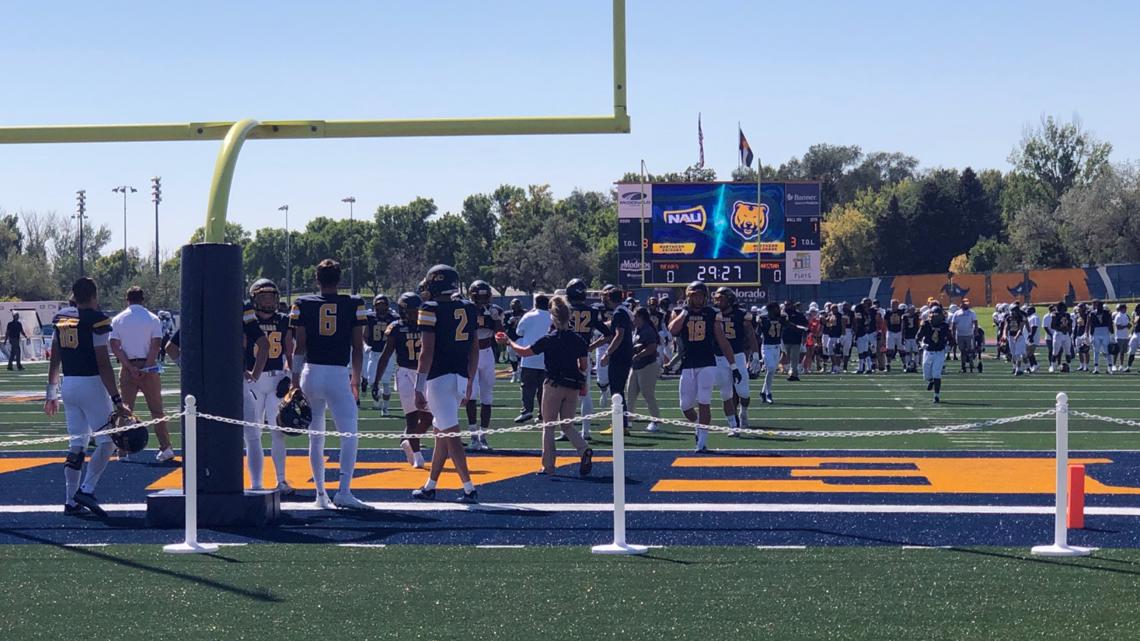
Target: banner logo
{"type": "Point", "coordinates": [694, 217]}
{"type": "Point", "coordinates": [749, 220]}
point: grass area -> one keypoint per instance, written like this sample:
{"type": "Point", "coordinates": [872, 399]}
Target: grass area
{"type": "Point", "coordinates": [305, 592]}
{"type": "Point", "coordinates": [893, 401]}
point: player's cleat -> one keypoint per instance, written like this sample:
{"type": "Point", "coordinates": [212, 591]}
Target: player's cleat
{"type": "Point", "coordinates": [424, 494]}
{"type": "Point", "coordinates": [979, 367]}
{"type": "Point", "coordinates": [1052, 369]}
{"type": "Point", "coordinates": [285, 489]}
{"type": "Point", "coordinates": [1096, 370]}
{"type": "Point", "coordinates": [468, 498]}
{"type": "Point", "coordinates": [524, 417]}
{"type": "Point", "coordinates": [768, 398]}
{"type": "Point", "coordinates": [408, 452]}
{"type": "Point", "coordinates": [652, 427]}
{"type": "Point", "coordinates": [164, 455]}
{"type": "Point", "coordinates": [562, 437]}
{"type": "Point", "coordinates": [323, 502]}
{"type": "Point", "coordinates": [350, 502]}
{"type": "Point", "coordinates": [90, 502]}
{"type": "Point", "coordinates": [936, 401]}
{"type": "Point", "coordinates": [586, 463]}
{"type": "Point", "coordinates": [929, 385]}
{"type": "Point", "coordinates": [74, 509]}
{"type": "Point", "coordinates": [418, 461]}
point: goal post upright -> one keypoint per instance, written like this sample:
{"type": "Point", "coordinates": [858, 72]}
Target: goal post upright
{"type": "Point", "coordinates": [207, 309]}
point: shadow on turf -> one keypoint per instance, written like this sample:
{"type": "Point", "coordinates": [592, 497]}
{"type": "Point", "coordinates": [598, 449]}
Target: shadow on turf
{"type": "Point", "coordinates": [257, 595]}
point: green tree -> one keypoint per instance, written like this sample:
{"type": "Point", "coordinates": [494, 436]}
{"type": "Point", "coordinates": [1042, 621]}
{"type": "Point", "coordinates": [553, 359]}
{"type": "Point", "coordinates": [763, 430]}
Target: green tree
{"type": "Point", "coordinates": [1100, 222]}
{"type": "Point", "coordinates": [235, 234]}
{"type": "Point", "coordinates": [114, 275]}
{"type": "Point", "coordinates": [991, 255]}
{"type": "Point", "coordinates": [65, 250]}
{"type": "Point", "coordinates": [480, 229]}
{"type": "Point", "coordinates": [848, 237]}
{"type": "Point", "coordinates": [397, 248]}
{"type": "Point", "coordinates": [1035, 234]}
{"type": "Point", "coordinates": [1060, 156]}
{"type": "Point", "coordinates": [892, 240]}
{"type": "Point", "coordinates": [444, 240]}
{"type": "Point", "coordinates": [979, 217]}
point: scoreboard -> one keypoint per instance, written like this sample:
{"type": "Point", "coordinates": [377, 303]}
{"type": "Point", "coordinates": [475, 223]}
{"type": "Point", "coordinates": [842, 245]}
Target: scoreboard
{"type": "Point", "coordinates": [733, 234]}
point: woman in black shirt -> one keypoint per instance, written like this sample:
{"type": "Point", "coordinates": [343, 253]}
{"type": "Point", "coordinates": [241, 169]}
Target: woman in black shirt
{"type": "Point", "coordinates": [565, 356]}
{"type": "Point", "coordinates": [646, 365]}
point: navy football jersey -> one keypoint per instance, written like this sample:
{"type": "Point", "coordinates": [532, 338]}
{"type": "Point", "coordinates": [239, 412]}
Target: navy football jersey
{"type": "Point", "coordinates": [275, 327]}
{"type": "Point", "coordinates": [585, 320]}
{"type": "Point", "coordinates": [699, 339]}
{"type": "Point", "coordinates": [511, 322]}
{"type": "Point", "coordinates": [1013, 325]}
{"type": "Point", "coordinates": [894, 320]}
{"type": "Point", "coordinates": [377, 328]}
{"type": "Point", "coordinates": [736, 324]}
{"type": "Point", "coordinates": [488, 320]}
{"type": "Point", "coordinates": [407, 343]}
{"type": "Point", "coordinates": [934, 335]}
{"type": "Point", "coordinates": [78, 332]}
{"type": "Point", "coordinates": [833, 324]}
{"type": "Point", "coordinates": [328, 320]}
{"type": "Point", "coordinates": [454, 324]}
{"type": "Point", "coordinates": [910, 325]}
{"type": "Point", "coordinates": [862, 323]}
{"type": "Point", "coordinates": [622, 318]}
{"type": "Point", "coordinates": [1062, 323]}
{"type": "Point", "coordinates": [771, 330]}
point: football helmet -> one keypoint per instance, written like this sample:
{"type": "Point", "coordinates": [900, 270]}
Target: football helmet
{"type": "Point", "coordinates": [408, 303]}
{"type": "Point", "coordinates": [479, 292]}
{"type": "Point", "coordinates": [697, 288]}
{"type": "Point", "coordinates": [576, 290]}
{"type": "Point", "coordinates": [294, 411]}
{"type": "Point", "coordinates": [442, 281]}
{"type": "Point", "coordinates": [264, 295]}
{"type": "Point", "coordinates": [129, 441]}
{"type": "Point", "coordinates": [612, 294]}
{"type": "Point", "coordinates": [381, 303]}
{"type": "Point", "coordinates": [724, 297]}
{"type": "Point", "coordinates": [282, 387]}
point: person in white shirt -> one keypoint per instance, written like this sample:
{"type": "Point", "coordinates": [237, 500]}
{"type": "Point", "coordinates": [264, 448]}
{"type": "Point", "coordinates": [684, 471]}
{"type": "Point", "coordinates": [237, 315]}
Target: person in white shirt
{"type": "Point", "coordinates": [136, 339]}
{"type": "Point", "coordinates": [532, 326]}
{"type": "Point", "coordinates": [1122, 327]}
{"type": "Point", "coordinates": [963, 322]}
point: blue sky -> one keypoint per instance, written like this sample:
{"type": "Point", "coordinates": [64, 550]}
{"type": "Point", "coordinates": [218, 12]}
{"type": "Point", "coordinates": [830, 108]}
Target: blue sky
{"type": "Point", "coordinates": [951, 83]}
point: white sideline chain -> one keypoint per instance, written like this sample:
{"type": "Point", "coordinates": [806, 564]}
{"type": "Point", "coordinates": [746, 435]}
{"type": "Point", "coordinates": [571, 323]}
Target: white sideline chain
{"type": "Point", "coordinates": [945, 429]}
{"type": "Point", "coordinates": [403, 435]}
{"type": "Point", "coordinates": [848, 433]}
{"type": "Point", "coordinates": [1106, 419]}
{"type": "Point", "coordinates": [112, 430]}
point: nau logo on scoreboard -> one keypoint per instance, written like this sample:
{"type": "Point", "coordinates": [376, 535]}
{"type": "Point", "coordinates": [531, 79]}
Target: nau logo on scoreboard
{"type": "Point", "coordinates": [749, 220]}
{"type": "Point", "coordinates": [694, 217]}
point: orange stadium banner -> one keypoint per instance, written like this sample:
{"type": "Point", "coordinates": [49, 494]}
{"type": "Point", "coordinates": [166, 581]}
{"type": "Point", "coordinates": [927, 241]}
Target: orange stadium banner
{"type": "Point", "coordinates": [917, 289]}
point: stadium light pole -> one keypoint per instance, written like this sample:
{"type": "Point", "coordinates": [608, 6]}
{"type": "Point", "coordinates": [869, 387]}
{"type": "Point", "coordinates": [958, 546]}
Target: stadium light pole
{"type": "Point", "coordinates": [80, 213]}
{"type": "Point", "coordinates": [124, 190]}
{"type": "Point", "coordinates": [156, 196]}
{"type": "Point", "coordinates": [351, 200]}
{"type": "Point", "coordinates": [288, 258]}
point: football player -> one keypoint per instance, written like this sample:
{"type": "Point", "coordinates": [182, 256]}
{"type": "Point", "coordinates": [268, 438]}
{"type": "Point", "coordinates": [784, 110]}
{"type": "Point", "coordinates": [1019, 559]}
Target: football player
{"type": "Point", "coordinates": [1016, 331]}
{"type": "Point", "coordinates": [489, 321]}
{"type": "Point", "coordinates": [1034, 325]}
{"type": "Point", "coordinates": [1099, 333]}
{"type": "Point", "coordinates": [271, 354]}
{"type": "Point", "coordinates": [585, 319]}
{"type": "Point", "coordinates": [403, 339]}
{"type": "Point", "coordinates": [934, 336]}
{"type": "Point", "coordinates": [1047, 325]}
{"type": "Point", "coordinates": [448, 363]}
{"type": "Point", "coordinates": [89, 392]}
{"type": "Point", "coordinates": [1134, 341]}
{"type": "Point", "coordinates": [736, 324]}
{"type": "Point", "coordinates": [1062, 326]}
{"type": "Point", "coordinates": [374, 332]}
{"type": "Point", "coordinates": [510, 323]}
{"type": "Point", "coordinates": [894, 320]}
{"type": "Point", "coordinates": [848, 313]}
{"type": "Point", "coordinates": [770, 333]}
{"type": "Point", "coordinates": [910, 340]}
{"type": "Point", "coordinates": [617, 357]}
{"type": "Point", "coordinates": [701, 337]}
{"type": "Point", "coordinates": [864, 331]}
{"type": "Point", "coordinates": [1122, 326]}
{"type": "Point", "coordinates": [1081, 337]}
{"type": "Point", "coordinates": [329, 336]}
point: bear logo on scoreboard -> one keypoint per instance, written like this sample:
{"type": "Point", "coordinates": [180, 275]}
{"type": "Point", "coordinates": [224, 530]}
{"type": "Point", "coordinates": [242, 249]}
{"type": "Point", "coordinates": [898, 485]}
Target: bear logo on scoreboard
{"type": "Point", "coordinates": [749, 220]}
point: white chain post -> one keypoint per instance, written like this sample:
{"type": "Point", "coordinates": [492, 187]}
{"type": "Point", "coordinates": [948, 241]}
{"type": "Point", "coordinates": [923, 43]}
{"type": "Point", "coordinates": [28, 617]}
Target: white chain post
{"type": "Point", "coordinates": [619, 546]}
{"type": "Point", "coordinates": [1061, 545]}
{"type": "Point", "coordinates": [190, 473]}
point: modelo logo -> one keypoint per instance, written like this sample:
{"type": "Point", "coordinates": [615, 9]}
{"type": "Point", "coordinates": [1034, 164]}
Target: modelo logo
{"type": "Point", "coordinates": [631, 265]}
{"type": "Point", "coordinates": [749, 220]}
{"type": "Point", "coordinates": [694, 217]}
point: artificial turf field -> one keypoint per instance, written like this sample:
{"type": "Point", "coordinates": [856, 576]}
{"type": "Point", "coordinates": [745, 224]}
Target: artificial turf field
{"type": "Point", "coordinates": [843, 570]}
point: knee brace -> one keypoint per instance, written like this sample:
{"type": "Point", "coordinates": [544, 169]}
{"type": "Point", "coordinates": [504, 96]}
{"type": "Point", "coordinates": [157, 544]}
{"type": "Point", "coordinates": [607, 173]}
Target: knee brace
{"type": "Point", "coordinates": [74, 460]}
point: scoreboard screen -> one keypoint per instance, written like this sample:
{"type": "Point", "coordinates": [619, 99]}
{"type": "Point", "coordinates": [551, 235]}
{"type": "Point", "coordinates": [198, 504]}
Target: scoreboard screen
{"type": "Point", "coordinates": [733, 234]}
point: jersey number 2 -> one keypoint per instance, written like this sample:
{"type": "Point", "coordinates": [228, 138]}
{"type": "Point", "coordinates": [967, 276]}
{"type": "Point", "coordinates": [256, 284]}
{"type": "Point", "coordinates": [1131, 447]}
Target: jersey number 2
{"type": "Point", "coordinates": [461, 334]}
